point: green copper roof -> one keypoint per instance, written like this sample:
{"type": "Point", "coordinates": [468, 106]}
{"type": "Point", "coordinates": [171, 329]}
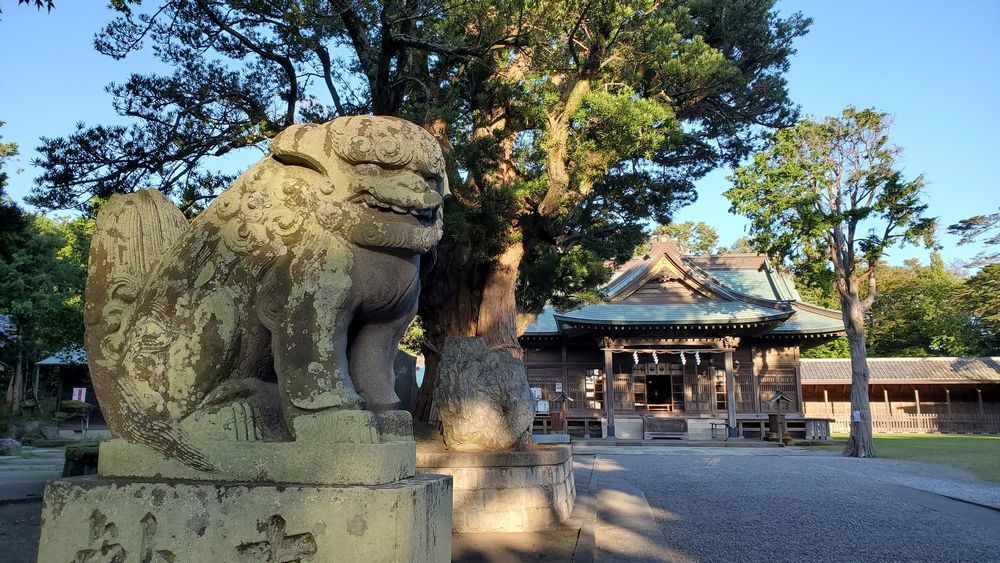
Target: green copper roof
{"type": "Point", "coordinates": [759, 283]}
{"type": "Point", "coordinates": [808, 322]}
{"type": "Point", "coordinates": [716, 312]}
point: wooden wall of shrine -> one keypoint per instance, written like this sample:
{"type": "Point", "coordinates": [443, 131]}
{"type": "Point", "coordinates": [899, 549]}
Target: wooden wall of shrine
{"type": "Point", "coordinates": [666, 387]}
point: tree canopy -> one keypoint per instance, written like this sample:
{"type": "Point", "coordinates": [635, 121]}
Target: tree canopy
{"type": "Point", "coordinates": [831, 191]}
{"type": "Point", "coordinates": [985, 228]}
{"type": "Point", "coordinates": [917, 313]}
{"type": "Point", "coordinates": [691, 237]}
{"type": "Point", "coordinates": [565, 124]}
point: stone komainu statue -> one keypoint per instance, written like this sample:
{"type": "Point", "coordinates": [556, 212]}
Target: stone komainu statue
{"type": "Point", "coordinates": [287, 296]}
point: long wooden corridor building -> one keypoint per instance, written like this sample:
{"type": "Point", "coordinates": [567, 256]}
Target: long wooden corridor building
{"type": "Point", "coordinates": [693, 347]}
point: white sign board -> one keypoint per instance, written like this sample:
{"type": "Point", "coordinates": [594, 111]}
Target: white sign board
{"type": "Point", "coordinates": [536, 393]}
{"type": "Point", "coordinates": [80, 394]}
{"type": "Point", "coordinates": [558, 387]}
{"type": "Point", "coordinates": [543, 407]}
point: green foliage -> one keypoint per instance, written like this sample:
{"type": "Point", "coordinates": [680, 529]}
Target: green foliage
{"type": "Point", "coordinates": [691, 237]}
{"type": "Point", "coordinates": [915, 313]}
{"type": "Point", "coordinates": [980, 297]}
{"type": "Point", "coordinates": [838, 348]}
{"type": "Point", "coordinates": [12, 218]}
{"type": "Point", "coordinates": [413, 338]}
{"type": "Point", "coordinates": [972, 228]}
{"type": "Point", "coordinates": [739, 246]}
{"type": "Point", "coordinates": [831, 190]}
{"type": "Point", "coordinates": [49, 5]}
{"type": "Point", "coordinates": [564, 279]}
{"type": "Point", "coordinates": [41, 286]}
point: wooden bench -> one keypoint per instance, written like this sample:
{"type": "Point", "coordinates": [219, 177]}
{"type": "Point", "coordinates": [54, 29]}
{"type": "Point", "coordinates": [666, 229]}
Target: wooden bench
{"type": "Point", "coordinates": [655, 427]}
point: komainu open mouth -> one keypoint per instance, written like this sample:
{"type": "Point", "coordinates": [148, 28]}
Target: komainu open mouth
{"type": "Point", "coordinates": [425, 216]}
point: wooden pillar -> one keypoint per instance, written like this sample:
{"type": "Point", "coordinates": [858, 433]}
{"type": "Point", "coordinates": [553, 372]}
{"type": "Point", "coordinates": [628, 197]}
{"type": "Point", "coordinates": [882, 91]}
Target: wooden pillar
{"type": "Point", "coordinates": [947, 399]}
{"type": "Point", "coordinates": [731, 397]}
{"type": "Point", "coordinates": [916, 398]}
{"type": "Point", "coordinates": [888, 405]}
{"type": "Point", "coordinates": [826, 399]}
{"type": "Point", "coordinates": [754, 380]}
{"type": "Point", "coordinates": [609, 392]}
{"type": "Point", "coordinates": [979, 394]}
{"type": "Point", "coordinates": [565, 375]}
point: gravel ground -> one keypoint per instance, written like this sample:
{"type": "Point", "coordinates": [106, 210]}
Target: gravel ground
{"type": "Point", "coordinates": [20, 525]}
{"type": "Point", "coordinates": [712, 507]}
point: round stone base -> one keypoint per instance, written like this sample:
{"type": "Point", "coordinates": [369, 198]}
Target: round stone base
{"type": "Point", "coordinates": [99, 519]}
{"type": "Point", "coordinates": [507, 491]}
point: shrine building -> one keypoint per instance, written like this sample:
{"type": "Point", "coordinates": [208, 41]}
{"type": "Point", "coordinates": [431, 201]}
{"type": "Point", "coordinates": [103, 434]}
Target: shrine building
{"type": "Point", "coordinates": [697, 347]}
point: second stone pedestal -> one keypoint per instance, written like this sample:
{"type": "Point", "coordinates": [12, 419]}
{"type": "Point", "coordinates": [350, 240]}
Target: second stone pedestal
{"type": "Point", "coordinates": [507, 491]}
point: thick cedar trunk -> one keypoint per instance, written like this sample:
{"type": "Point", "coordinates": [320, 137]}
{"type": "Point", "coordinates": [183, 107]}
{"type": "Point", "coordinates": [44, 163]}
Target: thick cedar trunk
{"type": "Point", "coordinates": [464, 298]}
{"type": "Point", "coordinates": [860, 443]}
{"type": "Point", "coordinates": [497, 322]}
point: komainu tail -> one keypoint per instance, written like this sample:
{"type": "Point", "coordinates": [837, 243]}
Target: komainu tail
{"type": "Point", "coordinates": [132, 234]}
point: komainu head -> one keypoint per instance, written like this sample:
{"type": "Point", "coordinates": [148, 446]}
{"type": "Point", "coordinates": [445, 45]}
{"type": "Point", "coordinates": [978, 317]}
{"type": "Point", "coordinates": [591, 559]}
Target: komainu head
{"type": "Point", "coordinates": [381, 179]}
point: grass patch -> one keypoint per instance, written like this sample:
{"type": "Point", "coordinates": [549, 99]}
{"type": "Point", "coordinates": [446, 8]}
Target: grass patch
{"type": "Point", "coordinates": [977, 454]}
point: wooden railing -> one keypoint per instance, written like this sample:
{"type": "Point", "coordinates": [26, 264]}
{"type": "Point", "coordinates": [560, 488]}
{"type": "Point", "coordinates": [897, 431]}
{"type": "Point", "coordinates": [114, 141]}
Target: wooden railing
{"type": "Point", "coordinates": [925, 424]}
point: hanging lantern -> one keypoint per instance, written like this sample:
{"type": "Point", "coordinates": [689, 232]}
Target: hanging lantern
{"type": "Point", "coordinates": [635, 357]}
{"type": "Point", "coordinates": [683, 359]}
{"type": "Point", "coordinates": [656, 359]}
{"type": "Point", "coordinates": [697, 359]}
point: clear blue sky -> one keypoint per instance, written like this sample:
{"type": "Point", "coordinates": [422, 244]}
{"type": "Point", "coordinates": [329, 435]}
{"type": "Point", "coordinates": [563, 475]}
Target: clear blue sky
{"type": "Point", "coordinates": [934, 66]}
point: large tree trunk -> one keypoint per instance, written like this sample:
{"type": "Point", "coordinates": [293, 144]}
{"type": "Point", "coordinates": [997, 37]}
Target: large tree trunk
{"type": "Point", "coordinates": [860, 443]}
{"type": "Point", "coordinates": [497, 322]}
{"type": "Point", "coordinates": [15, 390]}
{"type": "Point", "coordinates": [463, 297]}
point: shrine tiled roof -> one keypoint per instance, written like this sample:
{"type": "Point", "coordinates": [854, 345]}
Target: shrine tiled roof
{"type": "Point", "coordinates": [905, 370]}
{"type": "Point", "coordinates": [69, 356]}
{"type": "Point", "coordinates": [739, 290]}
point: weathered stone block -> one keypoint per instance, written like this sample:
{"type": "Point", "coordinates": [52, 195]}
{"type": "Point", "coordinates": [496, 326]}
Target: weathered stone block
{"type": "Point", "coordinates": [118, 520]}
{"type": "Point", "coordinates": [512, 491]}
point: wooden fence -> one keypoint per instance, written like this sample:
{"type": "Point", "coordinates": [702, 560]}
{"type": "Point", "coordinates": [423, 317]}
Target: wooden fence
{"type": "Point", "coordinates": [926, 424]}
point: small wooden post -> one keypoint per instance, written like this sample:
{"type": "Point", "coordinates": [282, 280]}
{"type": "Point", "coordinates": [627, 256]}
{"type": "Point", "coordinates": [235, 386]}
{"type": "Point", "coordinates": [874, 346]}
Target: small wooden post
{"type": "Point", "coordinates": [733, 430]}
{"type": "Point", "coordinates": [885, 397]}
{"type": "Point", "coordinates": [609, 392]}
{"type": "Point", "coordinates": [916, 398]}
{"type": "Point", "coordinates": [826, 399]}
{"type": "Point", "coordinates": [979, 394]}
{"type": "Point", "coordinates": [947, 399]}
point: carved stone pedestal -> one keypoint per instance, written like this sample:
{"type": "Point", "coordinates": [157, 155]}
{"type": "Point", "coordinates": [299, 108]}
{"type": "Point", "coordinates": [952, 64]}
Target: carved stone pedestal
{"type": "Point", "coordinates": [511, 491]}
{"type": "Point", "coordinates": [103, 519]}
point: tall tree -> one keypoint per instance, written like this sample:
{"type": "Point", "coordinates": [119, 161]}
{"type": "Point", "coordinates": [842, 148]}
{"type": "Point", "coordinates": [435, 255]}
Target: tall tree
{"type": "Point", "coordinates": [12, 218]}
{"type": "Point", "coordinates": [832, 188]}
{"type": "Point", "coordinates": [691, 237]}
{"type": "Point", "coordinates": [565, 124]}
{"type": "Point", "coordinates": [980, 297]}
{"type": "Point", "coordinates": [41, 288]}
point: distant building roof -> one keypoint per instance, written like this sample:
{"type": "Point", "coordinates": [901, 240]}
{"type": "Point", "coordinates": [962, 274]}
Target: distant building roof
{"type": "Point", "coordinates": [663, 288]}
{"type": "Point", "coordinates": [8, 331]}
{"type": "Point", "coordinates": [69, 356]}
{"type": "Point", "coordinates": [905, 370]}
